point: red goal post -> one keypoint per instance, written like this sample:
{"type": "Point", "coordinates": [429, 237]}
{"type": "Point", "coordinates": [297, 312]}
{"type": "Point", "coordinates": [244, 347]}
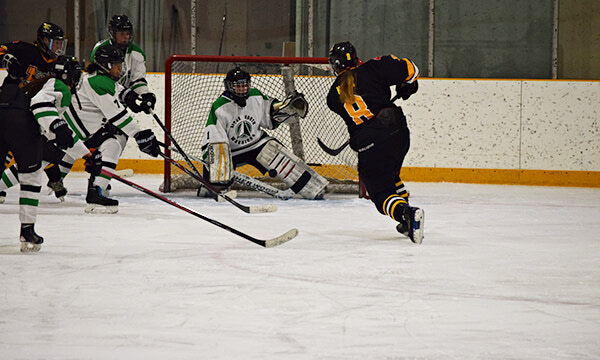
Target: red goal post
{"type": "Point", "coordinates": [194, 82]}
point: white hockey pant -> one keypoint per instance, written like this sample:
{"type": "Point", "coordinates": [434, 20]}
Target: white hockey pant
{"type": "Point", "coordinates": [292, 171]}
{"type": "Point", "coordinates": [29, 196]}
{"type": "Point", "coordinates": [111, 150]}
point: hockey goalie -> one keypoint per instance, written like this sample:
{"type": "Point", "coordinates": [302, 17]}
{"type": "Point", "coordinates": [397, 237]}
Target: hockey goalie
{"type": "Point", "coordinates": [234, 136]}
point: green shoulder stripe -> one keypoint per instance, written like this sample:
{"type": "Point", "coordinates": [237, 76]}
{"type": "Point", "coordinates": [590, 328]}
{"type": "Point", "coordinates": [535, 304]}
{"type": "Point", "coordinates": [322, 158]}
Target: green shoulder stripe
{"type": "Point", "coordinates": [66, 92]}
{"type": "Point", "coordinates": [256, 92]}
{"type": "Point", "coordinates": [102, 84]}
{"type": "Point", "coordinates": [97, 46]}
{"type": "Point", "coordinates": [212, 117]}
{"type": "Point", "coordinates": [133, 47]}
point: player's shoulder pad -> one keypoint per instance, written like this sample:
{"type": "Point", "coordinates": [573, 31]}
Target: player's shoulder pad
{"type": "Point", "coordinates": [212, 116]}
{"type": "Point", "coordinates": [256, 92]}
{"type": "Point", "coordinates": [101, 42]}
{"type": "Point", "coordinates": [102, 84]}
{"type": "Point", "coordinates": [64, 89]}
{"type": "Point", "coordinates": [135, 48]}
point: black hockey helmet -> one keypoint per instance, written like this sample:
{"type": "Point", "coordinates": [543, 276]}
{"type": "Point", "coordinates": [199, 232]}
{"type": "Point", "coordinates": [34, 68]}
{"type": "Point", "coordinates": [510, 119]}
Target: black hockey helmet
{"type": "Point", "coordinates": [120, 23]}
{"type": "Point", "coordinates": [68, 70]}
{"type": "Point", "coordinates": [237, 84]}
{"type": "Point", "coordinates": [51, 39]}
{"type": "Point", "coordinates": [106, 55]}
{"type": "Point", "coordinates": [342, 56]}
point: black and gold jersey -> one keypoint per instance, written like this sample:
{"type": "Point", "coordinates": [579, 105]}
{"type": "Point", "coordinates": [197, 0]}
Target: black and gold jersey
{"type": "Point", "coordinates": [34, 63]}
{"type": "Point", "coordinates": [372, 93]}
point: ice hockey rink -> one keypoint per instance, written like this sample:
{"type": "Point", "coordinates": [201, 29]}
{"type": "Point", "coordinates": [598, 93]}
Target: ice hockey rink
{"type": "Point", "coordinates": [504, 272]}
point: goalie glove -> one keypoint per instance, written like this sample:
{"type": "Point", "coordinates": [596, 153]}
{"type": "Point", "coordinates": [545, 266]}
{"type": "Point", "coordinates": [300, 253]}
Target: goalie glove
{"type": "Point", "coordinates": [294, 105]}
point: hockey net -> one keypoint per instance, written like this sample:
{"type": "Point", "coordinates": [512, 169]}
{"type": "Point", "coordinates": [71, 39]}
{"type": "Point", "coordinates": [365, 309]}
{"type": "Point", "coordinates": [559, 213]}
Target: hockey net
{"type": "Point", "coordinates": [194, 82]}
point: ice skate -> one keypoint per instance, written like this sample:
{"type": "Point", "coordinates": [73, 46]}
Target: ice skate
{"type": "Point", "coordinates": [97, 203]}
{"type": "Point", "coordinates": [30, 241]}
{"type": "Point", "coordinates": [413, 224]}
{"type": "Point", "coordinates": [204, 192]}
{"type": "Point", "coordinates": [59, 189]}
{"type": "Point", "coordinates": [2, 197]}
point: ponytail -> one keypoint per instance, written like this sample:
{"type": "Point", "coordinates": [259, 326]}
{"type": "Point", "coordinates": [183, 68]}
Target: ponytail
{"type": "Point", "coordinates": [36, 85]}
{"type": "Point", "coordinates": [346, 87]}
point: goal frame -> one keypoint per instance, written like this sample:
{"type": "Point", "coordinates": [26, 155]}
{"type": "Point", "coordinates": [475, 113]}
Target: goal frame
{"type": "Point", "coordinates": [169, 74]}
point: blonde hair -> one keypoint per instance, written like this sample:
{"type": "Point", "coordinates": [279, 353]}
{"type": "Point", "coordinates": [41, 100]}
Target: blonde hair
{"type": "Point", "coordinates": [346, 87]}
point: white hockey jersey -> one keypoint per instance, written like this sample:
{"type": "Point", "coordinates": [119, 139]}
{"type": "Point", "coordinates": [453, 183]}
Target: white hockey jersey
{"type": "Point", "coordinates": [240, 127]}
{"type": "Point", "coordinates": [49, 104]}
{"type": "Point", "coordinates": [95, 103]}
{"type": "Point", "coordinates": [134, 68]}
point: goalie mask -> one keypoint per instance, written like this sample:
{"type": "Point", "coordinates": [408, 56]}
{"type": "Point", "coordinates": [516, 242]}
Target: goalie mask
{"type": "Point", "coordinates": [51, 39]}
{"type": "Point", "coordinates": [342, 57]}
{"type": "Point", "coordinates": [120, 30]}
{"type": "Point", "coordinates": [108, 56]}
{"type": "Point", "coordinates": [68, 70]}
{"type": "Point", "coordinates": [237, 85]}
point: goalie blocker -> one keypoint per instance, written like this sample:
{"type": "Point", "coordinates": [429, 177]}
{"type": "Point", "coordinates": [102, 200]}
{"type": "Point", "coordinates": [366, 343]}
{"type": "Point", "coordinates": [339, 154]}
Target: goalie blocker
{"type": "Point", "coordinates": [292, 171]}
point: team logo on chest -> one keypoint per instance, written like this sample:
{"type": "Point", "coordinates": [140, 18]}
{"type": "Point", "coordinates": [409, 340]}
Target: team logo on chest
{"type": "Point", "coordinates": [241, 130]}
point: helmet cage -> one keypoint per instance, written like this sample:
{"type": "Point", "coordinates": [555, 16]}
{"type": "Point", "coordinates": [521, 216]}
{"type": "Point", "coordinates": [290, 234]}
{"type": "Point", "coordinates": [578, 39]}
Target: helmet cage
{"type": "Point", "coordinates": [120, 23]}
{"type": "Point", "coordinates": [55, 36]}
{"type": "Point", "coordinates": [237, 84]}
{"type": "Point", "coordinates": [68, 70]}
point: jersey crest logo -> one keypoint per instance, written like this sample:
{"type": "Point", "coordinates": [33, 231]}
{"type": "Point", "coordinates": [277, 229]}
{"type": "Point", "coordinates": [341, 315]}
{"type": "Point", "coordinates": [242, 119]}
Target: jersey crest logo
{"type": "Point", "coordinates": [242, 129]}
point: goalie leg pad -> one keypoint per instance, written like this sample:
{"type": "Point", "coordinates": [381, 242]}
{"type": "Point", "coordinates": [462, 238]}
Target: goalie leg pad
{"type": "Point", "coordinates": [292, 171]}
{"type": "Point", "coordinates": [219, 163]}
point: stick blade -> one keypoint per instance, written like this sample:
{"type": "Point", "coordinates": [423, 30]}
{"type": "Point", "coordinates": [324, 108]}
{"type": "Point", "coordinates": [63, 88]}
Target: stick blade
{"type": "Point", "coordinates": [262, 209]}
{"type": "Point", "coordinates": [281, 239]}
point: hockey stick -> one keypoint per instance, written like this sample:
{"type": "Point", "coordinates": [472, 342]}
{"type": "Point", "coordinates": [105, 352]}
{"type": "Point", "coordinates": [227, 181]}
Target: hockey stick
{"type": "Point", "coordinates": [330, 151]}
{"type": "Point", "coordinates": [247, 209]}
{"type": "Point", "coordinates": [264, 243]}
{"type": "Point", "coordinates": [199, 177]}
{"type": "Point", "coordinates": [335, 152]}
{"type": "Point", "coordinates": [248, 181]}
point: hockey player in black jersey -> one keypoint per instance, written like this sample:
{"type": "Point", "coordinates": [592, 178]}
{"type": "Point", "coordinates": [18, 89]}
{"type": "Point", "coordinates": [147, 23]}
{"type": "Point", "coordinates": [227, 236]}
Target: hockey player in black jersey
{"type": "Point", "coordinates": [378, 131]}
{"type": "Point", "coordinates": [26, 62]}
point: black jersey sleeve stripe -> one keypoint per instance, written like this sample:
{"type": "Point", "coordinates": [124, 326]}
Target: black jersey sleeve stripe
{"type": "Point", "coordinates": [41, 105]}
{"type": "Point", "coordinates": [118, 116]}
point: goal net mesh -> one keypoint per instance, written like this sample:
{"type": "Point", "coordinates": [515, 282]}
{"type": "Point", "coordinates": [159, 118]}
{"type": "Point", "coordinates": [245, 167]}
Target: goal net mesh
{"type": "Point", "coordinates": [193, 83]}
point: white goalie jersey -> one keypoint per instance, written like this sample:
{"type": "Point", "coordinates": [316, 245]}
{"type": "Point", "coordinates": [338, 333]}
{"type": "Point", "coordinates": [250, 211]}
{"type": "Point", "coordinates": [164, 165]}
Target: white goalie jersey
{"type": "Point", "coordinates": [240, 127]}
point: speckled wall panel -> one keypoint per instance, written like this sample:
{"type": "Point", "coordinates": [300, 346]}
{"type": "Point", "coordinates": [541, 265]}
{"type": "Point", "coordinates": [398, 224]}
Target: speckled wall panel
{"type": "Point", "coordinates": [464, 123]}
{"type": "Point", "coordinates": [561, 125]}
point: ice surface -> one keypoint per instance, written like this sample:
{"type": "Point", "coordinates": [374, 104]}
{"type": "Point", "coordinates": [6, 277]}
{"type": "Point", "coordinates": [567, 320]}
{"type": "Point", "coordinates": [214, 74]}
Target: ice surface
{"type": "Point", "coordinates": [504, 272]}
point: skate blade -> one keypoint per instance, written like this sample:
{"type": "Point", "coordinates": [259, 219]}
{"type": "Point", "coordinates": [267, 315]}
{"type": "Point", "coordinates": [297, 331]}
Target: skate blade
{"type": "Point", "coordinates": [30, 247]}
{"type": "Point", "coordinates": [100, 209]}
{"type": "Point", "coordinates": [418, 226]}
{"type": "Point", "coordinates": [230, 194]}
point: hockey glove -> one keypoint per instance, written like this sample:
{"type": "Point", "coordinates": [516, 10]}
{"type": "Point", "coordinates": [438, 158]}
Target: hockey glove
{"type": "Point", "coordinates": [294, 105]}
{"type": "Point", "coordinates": [147, 142]}
{"type": "Point", "coordinates": [405, 90]}
{"type": "Point", "coordinates": [148, 100]}
{"type": "Point", "coordinates": [129, 98]}
{"type": "Point", "coordinates": [12, 66]}
{"type": "Point", "coordinates": [64, 135]}
{"type": "Point", "coordinates": [93, 163]}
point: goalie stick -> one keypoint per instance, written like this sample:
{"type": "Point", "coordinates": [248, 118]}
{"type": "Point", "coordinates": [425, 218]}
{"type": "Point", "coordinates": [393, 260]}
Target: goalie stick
{"type": "Point", "coordinates": [247, 209]}
{"type": "Point", "coordinates": [264, 243]}
{"type": "Point", "coordinates": [248, 181]}
{"type": "Point", "coordinates": [199, 177]}
{"type": "Point", "coordinates": [335, 152]}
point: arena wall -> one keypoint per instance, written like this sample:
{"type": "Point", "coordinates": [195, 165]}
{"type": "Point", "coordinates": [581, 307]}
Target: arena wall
{"type": "Point", "coordinates": [534, 132]}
